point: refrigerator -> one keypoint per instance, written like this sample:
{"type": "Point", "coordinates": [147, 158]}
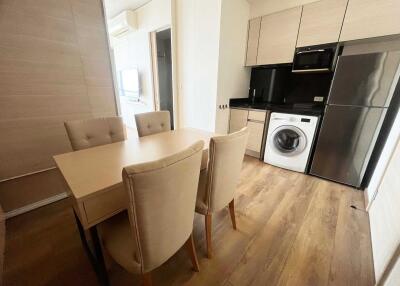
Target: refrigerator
{"type": "Point", "coordinates": [362, 104]}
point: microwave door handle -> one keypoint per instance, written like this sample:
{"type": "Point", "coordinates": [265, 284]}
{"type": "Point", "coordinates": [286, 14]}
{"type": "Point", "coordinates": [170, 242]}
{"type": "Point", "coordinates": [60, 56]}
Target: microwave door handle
{"type": "Point", "coordinates": [312, 51]}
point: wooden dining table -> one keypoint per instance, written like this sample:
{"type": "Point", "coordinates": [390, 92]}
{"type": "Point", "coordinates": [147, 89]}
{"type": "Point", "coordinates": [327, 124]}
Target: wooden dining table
{"type": "Point", "coordinates": [94, 179]}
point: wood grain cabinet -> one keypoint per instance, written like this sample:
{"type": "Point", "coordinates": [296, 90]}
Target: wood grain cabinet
{"type": "Point", "coordinates": [321, 22]}
{"type": "Point", "coordinates": [238, 119]}
{"type": "Point", "coordinates": [278, 34]}
{"type": "Point", "coordinates": [371, 18]}
{"type": "Point", "coordinates": [252, 41]}
{"type": "Point", "coordinates": [255, 122]}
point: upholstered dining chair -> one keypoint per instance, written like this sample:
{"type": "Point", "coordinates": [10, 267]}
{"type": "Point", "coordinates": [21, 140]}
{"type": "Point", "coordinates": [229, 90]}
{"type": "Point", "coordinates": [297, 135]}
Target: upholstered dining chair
{"type": "Point", "coordinates": [93, 132]}
{"type": "Point", "coordinates": [217, 183]}
{"type": "Point", "coordinates": [153, 122]}
{"type": "Point", "coordinates": [162, 198]}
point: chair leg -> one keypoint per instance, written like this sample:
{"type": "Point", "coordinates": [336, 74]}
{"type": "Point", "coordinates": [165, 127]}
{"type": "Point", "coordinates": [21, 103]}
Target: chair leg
{"type": "Point", "coordinates": [192, 252]}
{"type": "Point", "coordinates": [146, 277]}
{"type": "Point", "coordinates": [208, 234]}
{"type": "Point", "coordinates": [232, 212]}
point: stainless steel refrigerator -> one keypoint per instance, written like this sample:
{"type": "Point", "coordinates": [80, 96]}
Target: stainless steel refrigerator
{"type": "Point", "coordinates": [356, 120]}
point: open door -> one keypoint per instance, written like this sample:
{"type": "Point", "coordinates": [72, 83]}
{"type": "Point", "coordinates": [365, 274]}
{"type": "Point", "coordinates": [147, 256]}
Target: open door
{"type": "Point", "coordinates": [162, 71]}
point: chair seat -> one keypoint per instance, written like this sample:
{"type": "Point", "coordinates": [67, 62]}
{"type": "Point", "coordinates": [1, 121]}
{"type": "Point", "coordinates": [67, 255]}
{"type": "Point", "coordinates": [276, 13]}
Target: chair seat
{"type": "Point", "coordinates": [201, 203]}
{"type": "Point", "coordinates": [118, 240]}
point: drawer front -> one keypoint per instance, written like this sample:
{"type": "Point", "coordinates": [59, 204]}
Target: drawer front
{"type": "Point", "coordinates": [256, 130]}
{"type": "Point", "coordinates": [105, 205]}
{"type": "Point", "coordinates": [257, 115]}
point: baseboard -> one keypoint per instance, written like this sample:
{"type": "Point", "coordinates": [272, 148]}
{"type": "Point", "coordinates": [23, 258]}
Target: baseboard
{"type": "Point", "coordinates": [36, 205]}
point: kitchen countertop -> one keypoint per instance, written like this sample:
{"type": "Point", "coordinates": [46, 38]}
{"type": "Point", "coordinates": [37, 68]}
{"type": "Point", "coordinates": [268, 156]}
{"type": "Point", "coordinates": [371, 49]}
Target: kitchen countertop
{"type": "Point", "coordinates": [305, 109]}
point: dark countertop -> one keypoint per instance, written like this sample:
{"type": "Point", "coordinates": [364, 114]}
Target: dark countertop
{"type": "Point", "coordinates": [305, 109]}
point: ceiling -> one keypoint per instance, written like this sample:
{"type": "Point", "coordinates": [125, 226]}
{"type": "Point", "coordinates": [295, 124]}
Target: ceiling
{"type": "Point", "coordinates": [114, 7]}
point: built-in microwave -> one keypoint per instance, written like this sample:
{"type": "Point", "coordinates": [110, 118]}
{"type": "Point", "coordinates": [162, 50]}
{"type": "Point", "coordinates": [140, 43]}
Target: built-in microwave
{"type": "Point", "coordinates": [315, 58]}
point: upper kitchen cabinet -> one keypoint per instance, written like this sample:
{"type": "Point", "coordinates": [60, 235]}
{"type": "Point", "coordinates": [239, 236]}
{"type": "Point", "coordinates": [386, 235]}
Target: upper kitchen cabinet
{"type": "Point", "coordinates": [371, 18]}
{"type": "Point", "coordinates": [252, 41]}
{"type": "Point", "coordinates": [321, 22]}
{"type": "Point", "coordinates": [278, 34]}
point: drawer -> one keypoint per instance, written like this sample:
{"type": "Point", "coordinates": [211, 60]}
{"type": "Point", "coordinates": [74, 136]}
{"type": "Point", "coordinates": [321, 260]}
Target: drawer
{"type": "Point", "coordinates": [106, 204]}
{"type": "Point", "coordinates": [257, 115]}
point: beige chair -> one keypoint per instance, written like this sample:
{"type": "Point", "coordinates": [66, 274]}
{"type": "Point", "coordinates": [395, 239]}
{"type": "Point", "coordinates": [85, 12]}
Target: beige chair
{"type": "Point", "coordinates": [162, 198]}
{"type": "Point", "coordinates": [94, 132]}
{"type": "Point", "coordinates": [153, 122]}
{"type": "Point", "coordinates": [218, 182]}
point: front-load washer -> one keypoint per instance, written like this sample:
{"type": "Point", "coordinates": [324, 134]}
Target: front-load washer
{"type": "Point", "coordinates": [289, 140]}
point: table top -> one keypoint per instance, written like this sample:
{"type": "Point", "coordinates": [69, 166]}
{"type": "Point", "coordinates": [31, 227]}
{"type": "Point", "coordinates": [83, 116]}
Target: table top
{"type": "Point", "coordinates": [100, 168]}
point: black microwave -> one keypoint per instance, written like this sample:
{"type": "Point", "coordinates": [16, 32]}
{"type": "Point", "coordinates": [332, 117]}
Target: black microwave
{"type": "Point", "coordinates": [315, 59]}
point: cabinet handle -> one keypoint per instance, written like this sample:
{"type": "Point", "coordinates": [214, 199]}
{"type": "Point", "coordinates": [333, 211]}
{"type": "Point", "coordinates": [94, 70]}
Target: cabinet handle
{"type": "Point", "coordinates": [256, 121]}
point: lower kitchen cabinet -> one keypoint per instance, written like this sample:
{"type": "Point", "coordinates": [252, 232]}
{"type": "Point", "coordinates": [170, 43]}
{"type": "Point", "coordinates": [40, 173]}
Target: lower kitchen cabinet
{"type": "Point", "coordinates": [255, 122]}
{"type": "Point", "coordinates": [238, 119]}
{"type": "Point", "coordinates": [256, 130]}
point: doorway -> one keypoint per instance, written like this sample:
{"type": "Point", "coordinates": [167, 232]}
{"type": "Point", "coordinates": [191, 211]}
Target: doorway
{"type": "Point", "coordinates": [162, 68]}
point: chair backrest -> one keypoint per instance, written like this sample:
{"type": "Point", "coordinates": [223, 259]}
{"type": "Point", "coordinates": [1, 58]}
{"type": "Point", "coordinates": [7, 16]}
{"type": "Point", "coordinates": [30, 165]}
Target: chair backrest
{"type": "Point", "coordinates": [162, 198]}
{"type": "Point", "coordinates": [153, 122]}
{"type": "Point", "coordinates": [94, 132]}
{"type": "Point", "coordinates": [224, 166]}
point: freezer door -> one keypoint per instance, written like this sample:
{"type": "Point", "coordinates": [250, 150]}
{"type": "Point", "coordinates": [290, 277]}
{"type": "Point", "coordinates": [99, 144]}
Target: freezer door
{"type": "Point", "coordinates": [365, 80]}
{"type": "Point", "coordinates": [347, 138]}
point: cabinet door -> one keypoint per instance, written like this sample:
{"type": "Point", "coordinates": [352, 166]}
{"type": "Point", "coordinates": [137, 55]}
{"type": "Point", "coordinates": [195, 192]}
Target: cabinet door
{"type": "Point", "coordinates": [371, 18]}
{"type": "Point", "coordinates": [238, 119]}
{"type": "Point", "coordinates": [321, 22]}
{"type": "Point", "coordinates": [278, 35]}
{"type": "Point", "coordinates": [252, 41]}
{"type": "Point", "coordinates": [256, 130]}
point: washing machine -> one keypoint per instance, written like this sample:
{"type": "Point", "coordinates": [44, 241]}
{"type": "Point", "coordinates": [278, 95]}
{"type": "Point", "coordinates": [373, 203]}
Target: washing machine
{"type": "Point", "coordinates": [289, 140]}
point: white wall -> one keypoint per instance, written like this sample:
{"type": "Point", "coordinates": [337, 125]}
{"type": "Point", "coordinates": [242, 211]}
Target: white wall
{"type": "Point", "coordinates": [233, 77]}
{"type": "Point", "coordinates": [154, 15]}
{"type": "Point", "coordinates": [264, 7]}
{"type": "Point", "coordinates": [197, 50]}
{"type": "Point", "coordinates": [133, 51]}
{"type": "Point", "coordinates": [384, 216]}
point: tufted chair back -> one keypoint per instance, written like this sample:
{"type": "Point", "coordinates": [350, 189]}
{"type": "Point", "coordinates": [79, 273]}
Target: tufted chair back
{"type": "Point", "coordinates": [94, 132]}
{"type": "Point", "coordinates": [153, 122]}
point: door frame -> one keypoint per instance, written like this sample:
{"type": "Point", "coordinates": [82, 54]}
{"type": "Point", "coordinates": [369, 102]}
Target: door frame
{"type": "Point", "coordinates": [155, 80]}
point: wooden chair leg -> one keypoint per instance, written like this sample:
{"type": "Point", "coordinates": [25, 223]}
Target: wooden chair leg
{"type": "Point", "coordinates": [192, 252]}
{"type": "Point", "coordinates": [146, 277]}
{"type": "Point", "coordinates": [208, 234]}
{"type": "Point", "coordinates": [232, 212]}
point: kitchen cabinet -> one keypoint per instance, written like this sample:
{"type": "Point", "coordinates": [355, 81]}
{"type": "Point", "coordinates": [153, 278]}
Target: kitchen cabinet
{"type": "Point", "coordinates": [321, 22]}
{"type": "Point", "coordinates": [252, 41]}
{"type": "Point", "coordinates": [278, 35]}
{"type": "Point", "coordinates": [370, 18]}
{"type": "Point", "coordinates": [256, 130]}
{"type": "Point", "coordinates": [238, 119]}
{"type": "Point", "coordinates": [255, 122]}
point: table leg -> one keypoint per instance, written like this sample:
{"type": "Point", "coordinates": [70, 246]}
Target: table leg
{"type": "Point", "coordinates": [96, 258]}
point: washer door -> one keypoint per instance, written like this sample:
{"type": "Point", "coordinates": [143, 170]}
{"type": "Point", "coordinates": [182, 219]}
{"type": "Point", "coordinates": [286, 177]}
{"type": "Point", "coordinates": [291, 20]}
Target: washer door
{"type": "Point", "coordinates": [288, 140]}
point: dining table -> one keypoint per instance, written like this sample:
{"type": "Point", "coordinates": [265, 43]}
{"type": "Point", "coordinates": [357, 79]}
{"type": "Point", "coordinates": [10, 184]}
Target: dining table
{"type": "Point", "coordinates": [93, 178]}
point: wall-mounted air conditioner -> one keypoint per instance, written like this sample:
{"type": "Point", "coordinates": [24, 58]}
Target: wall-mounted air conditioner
{"type": "Point", "coordinates": [123, 23]}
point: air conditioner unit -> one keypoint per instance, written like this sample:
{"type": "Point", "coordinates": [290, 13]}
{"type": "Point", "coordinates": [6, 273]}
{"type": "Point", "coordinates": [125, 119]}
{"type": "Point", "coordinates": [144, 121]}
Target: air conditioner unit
{"type": "Point", "coordinates": [123, 23]}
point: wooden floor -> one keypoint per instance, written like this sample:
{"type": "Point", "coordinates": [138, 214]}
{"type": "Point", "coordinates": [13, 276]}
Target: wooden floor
{"type": "Point", "coordinates": [293, 229]}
